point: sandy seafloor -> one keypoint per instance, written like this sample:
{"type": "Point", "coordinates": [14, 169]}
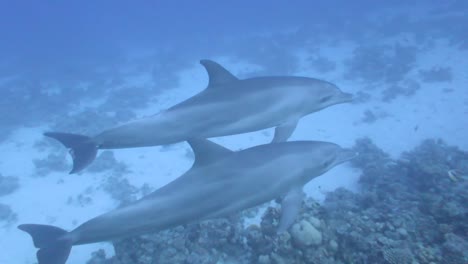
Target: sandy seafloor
{"type": "Point", "coordinates": [430, 113]}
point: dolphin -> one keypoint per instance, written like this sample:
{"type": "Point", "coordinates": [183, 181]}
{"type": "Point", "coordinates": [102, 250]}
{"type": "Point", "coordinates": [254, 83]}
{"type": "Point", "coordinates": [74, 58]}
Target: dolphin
{"type": "Point", "coordinates": [226, 107]}
{"type": "Point", "coordinates": [219, 183]}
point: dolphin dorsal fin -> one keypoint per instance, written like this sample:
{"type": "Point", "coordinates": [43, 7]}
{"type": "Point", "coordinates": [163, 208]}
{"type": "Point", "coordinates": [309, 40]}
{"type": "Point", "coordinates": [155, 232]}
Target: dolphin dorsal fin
{"type": "Point", "coordinates": [217, 74]}
{"type": "Point", "coordinates": [207, 151]}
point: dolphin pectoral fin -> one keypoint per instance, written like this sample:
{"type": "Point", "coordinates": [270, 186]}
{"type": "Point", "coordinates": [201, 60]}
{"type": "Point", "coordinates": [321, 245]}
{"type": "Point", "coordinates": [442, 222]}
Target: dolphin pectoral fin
{"type": "Point", "coordinates": [217, 74]}
{"type": "Point", "coordinates": [290, 207]}
{"type": "Point", "coordinates": [207, 151]}
{"type": "Point", "coordinates": [284, 131]}
{"type": "Point", "coordinates": [82, 149]}
{"type": "Point", "coordinates": [53, 248]}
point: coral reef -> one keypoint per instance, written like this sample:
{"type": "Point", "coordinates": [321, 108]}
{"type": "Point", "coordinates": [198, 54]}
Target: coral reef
{"type": "Point", "coordinates": [88, 122]}
{"type": "Point", "coordinates": [305, 234]}
{"type": "Point", "coordinates": [437, 74]}
{"type": "Point", "coordinates": [99, 257]}
{"type": "Point", "coordinates": [361, 97]}
{"type": "Point", "coordinates": [7, 216]}
{"type": "Point", "coordinates": [384, 63]}
{"type": "Point", "coordinates": [432, 161]}
{"type": "Point", "coordinates": [408, 206]}
{"type": "Point", "coordinates": [405, 88]}
{"type": "Point", "coordinates": [106, 161]}
{"type": "Point", "coordinates": [272, 53]}
{"type": "Point", "coordinates": [125, 99]}
{"type": "Point", "coordinates": [8, 184]}
{"type": "Point", "coordinates": [371, 116]}
{"type": "Point", "coordinates": [322, 64]}
{"type": "Point", "coordinates": [397, 255]}
{"type": "Point", "coordinates": [408, 211]}
{"type": "Point", "coordinates": [120, 189]}
{"type": "Point", "coordinates": [34, 102]}
{"type": "Point", "coordinates": [54, 162]}
{"type": "Point", "coordinates": [208, 242]}
{"type": "Point", "coordinates": [83, 199]}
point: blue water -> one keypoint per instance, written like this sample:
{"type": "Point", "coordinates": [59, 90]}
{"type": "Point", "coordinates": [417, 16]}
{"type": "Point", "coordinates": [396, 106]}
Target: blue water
{"type": "Point", "coordinates": [50, 36]}
{"type": "Point", "coordinates": [84, 66]}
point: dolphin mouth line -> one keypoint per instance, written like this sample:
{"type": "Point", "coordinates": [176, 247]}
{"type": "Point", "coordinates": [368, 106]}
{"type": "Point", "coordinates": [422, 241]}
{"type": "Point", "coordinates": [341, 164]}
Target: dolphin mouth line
{"type": "Point", "coordinates": [346, 155]}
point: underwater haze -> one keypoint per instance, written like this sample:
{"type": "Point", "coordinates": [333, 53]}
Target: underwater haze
{"type": "Point", "coordinates": [87, 66]}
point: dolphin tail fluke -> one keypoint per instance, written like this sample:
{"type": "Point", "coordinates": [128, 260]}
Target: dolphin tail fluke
{"type": "Point", "coordinates": [82, 148]}
{"type": "Point", "coordinates": [54, 247]}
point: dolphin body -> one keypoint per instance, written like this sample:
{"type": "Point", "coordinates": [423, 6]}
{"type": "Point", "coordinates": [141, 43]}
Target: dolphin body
{"type": "Point", "coordinates": [220, 183]}
{"type": "Point", "coordinates": [227, 106]}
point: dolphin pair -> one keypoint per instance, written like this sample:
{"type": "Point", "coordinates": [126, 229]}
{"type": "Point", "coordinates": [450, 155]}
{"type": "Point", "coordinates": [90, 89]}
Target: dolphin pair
{"type": "Point", "coordinates": [227, 106]}
{"type": "Point", "coordinates": [220, 183]}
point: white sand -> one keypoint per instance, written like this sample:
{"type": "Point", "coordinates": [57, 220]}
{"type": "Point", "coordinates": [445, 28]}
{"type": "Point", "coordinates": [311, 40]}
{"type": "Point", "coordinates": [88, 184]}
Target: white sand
{"type": "Point", "coordinates": [44, 200]}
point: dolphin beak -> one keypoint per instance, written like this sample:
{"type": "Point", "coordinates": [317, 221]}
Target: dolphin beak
{"type": "Point", "coordinates": [345, 155]}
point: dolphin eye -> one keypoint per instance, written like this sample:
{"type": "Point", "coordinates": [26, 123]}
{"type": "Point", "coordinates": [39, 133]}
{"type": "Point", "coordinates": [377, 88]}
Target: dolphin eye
{"type": "Point", "coordinates": [326, 163]}
{"type": "Point", "coordinates": [324, 99]}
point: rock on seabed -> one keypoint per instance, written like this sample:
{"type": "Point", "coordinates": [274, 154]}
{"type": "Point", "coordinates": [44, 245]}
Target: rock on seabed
{"type": "Point", "coordinates": [305, 234]}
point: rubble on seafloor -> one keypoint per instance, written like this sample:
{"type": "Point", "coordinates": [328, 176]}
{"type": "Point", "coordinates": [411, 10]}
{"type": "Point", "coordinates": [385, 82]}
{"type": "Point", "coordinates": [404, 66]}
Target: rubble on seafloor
{"type": "Point", "coordinates": [409, 210]}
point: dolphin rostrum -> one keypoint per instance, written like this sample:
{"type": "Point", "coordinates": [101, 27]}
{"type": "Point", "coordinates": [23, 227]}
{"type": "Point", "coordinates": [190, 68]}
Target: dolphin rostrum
{"type": "Point", "coordinates": [227, 106]}
{"type": "Point", "coordinates": [220, 183]}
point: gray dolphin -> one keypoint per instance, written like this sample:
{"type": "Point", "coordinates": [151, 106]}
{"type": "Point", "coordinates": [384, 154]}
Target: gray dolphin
{"type": "Point", "coordinates": [220, 183]}
{"type": "Point", "coordinates": [227, 106]}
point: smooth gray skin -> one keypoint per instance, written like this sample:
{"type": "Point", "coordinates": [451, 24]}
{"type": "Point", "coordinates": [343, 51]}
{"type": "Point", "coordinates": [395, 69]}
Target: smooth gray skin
{"type": "Point", "coordinates": [229, 106]}
{"type": "Point", "coordinates": [220, 183]}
